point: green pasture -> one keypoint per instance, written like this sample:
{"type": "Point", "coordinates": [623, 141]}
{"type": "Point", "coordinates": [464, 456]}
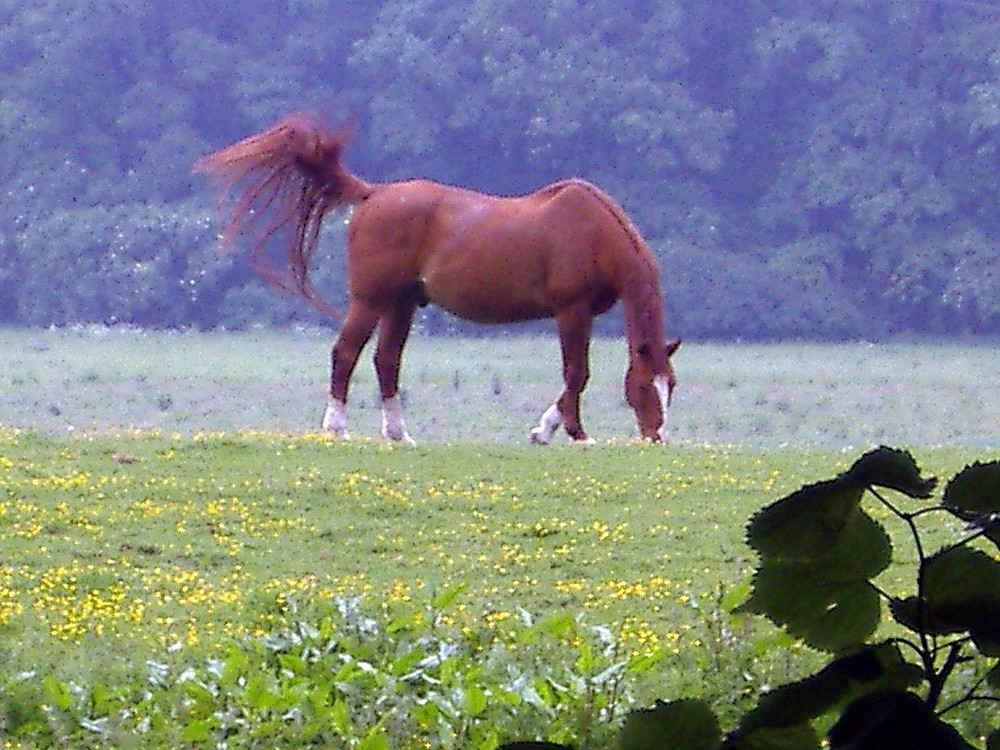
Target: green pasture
{"type": "Point", "coordinates": [165, 498]}
{"type": "Point", "coordinates": [492, 390]}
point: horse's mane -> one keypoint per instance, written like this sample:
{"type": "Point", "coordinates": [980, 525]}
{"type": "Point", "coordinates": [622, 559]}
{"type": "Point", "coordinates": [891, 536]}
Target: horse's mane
{"type": "Point", "coordinates": [286, 179]}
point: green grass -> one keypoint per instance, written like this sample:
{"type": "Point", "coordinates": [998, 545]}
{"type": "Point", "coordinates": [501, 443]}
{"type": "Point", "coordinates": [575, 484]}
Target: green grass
{"type": "Point", "coordinates": [493, 390]}
{"type": "Point", "coordinates": [191, 508]}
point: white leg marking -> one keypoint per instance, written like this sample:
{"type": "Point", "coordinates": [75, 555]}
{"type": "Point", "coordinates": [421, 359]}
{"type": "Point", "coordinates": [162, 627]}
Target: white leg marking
{"type": "Point", "coordinates": [392, 422]}
{"type": "Point", "coordinates": [547, 425]}
{"type": "Point", "coordinates": [663, 391]}
{"type": "Point", "coordinates": [334, 420]}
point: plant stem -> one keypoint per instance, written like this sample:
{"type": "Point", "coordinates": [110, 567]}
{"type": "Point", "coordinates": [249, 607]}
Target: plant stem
{"type": "Point", "coordinates": [927, 649]}
{"type": "Point", "coordinates": [939, 679]}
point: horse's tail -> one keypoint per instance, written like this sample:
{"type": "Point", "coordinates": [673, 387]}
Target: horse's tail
{"type": "Point", "coordinates": [285, 179]}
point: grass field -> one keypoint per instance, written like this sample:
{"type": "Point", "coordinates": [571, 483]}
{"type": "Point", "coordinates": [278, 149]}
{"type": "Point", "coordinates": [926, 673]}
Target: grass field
{"type": "Point", "coordinates": [493, 390]}
{"type": "Point", "coordinates": [164, 497]}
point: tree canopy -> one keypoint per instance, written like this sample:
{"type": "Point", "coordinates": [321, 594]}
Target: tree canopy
{"type": "Point", "coordinates": [820, 170]}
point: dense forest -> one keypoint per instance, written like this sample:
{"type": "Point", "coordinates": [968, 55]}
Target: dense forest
{"type": "Point", "coordinates": [801, 170]}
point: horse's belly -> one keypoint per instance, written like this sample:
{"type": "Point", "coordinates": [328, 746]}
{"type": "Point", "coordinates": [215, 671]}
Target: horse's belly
{"type": "Point", "coordinates": [500, 298]}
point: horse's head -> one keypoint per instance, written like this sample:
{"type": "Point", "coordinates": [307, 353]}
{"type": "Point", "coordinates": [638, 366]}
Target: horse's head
{"type": "Point", "coordinates": [649, 384]}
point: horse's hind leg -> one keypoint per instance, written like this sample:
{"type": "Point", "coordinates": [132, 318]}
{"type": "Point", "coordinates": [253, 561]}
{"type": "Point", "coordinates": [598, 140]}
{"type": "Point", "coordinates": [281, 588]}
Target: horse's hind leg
{"type": "Point", "coordinates": [393, 329]}
{"type": "Point", "coordinates": [354, 334]}
{"type": "Point", "coordinates": [574, 339]}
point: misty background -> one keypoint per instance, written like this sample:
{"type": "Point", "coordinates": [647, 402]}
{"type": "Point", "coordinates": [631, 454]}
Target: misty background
{"type": "Point", "coordinates": [820, 170]}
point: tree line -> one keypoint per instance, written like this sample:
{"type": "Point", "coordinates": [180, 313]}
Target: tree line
{"type": "Point", "coordinates": [821, 170]}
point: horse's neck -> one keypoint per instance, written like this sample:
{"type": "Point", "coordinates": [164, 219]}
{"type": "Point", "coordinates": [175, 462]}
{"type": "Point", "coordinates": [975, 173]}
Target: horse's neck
{"type": "Point", "coordinates": [642, 305]}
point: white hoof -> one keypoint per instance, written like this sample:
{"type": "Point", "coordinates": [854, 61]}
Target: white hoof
{"type": "Point", "coordinates": [334, 421]}
{"type": "Point", "coordinates": [584, 441]}
{"type": "Point", "coordinates": [540, 436]}
{"type": "Point", "coordinates": [403, 437]}
{"type": "Point", "coordinates": [392, 422]}
{"type": "Point", "coordinates": [547, 424]}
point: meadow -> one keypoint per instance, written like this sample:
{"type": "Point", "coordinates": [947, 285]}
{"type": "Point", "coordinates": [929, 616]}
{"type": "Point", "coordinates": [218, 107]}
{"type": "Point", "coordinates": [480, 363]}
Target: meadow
{"type": "Point", "coordinates": [186, 561]}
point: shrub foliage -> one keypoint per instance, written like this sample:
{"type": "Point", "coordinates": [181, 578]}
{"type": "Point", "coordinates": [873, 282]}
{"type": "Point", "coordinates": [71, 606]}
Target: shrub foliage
{"type": "Point", "coordinates": [891, 680]}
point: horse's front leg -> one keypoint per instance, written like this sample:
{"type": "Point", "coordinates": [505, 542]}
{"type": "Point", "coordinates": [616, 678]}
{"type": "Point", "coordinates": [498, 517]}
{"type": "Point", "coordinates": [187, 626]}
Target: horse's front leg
{"type": "Point", "coordinates": [359, 322]}
{"type": "Point", "coordinates": [393, 329]}
{"type": "Point", "coordinates": [574, 326]}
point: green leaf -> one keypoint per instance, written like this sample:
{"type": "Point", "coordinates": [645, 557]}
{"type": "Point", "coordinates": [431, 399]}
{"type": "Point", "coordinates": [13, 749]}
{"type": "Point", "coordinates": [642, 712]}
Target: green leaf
{"type": "Point", "coordinates": [544, 691]}
{"type": "Point", "coordinates": [100, 699]}
{"type": "Point", "coordinates": [974, 496]}
{"type": "Point", "coordinates": [448, 596]}
{"type": "Point", "coordinates": [559, 626]}
{"type": "Point", "coordinates": [375, 740]}
{"type": "Point", "coordinates": [58, 693]}
{"type": "Point", "coordinates": [474, 700]}
{"type": "Point", "coordinates": [805, 523]}
{"type": "Point", "coordinates": [975, 490]}
{"type": "Point", "coordinates": [961, 593]}
{"type": "Point", "coordinates": [819, 550]}
{"type": "Point", "coordinates": [424, 715]}
{"type": "Point", "coordinates": [679, 725]}
{"type": "Point", "coordinates": [234, 666]}
{"type": "Point", "coordinates": [640, 663]}
{"type": "Point", "coordinates": [893, 719]}
{"type": "Point", "coordinates": [198, 731]}
{"type": "Point", "coordinates": [798, 737]}
{"type": "Point", "coordinates": [843, 680]}
{"type": "Point", "coordinates": [585, 659]}
{"type": "Point", "coordinates": [892, 468]}
{"type": "Point", "coordinates": [993, 677]}
{"type": "Point", "coordinates": [259, 693]}
{"type": "Point", "coordinates": [292, 663]}
{"type": "Point", "coordinates": [827, 611]}
{"type": "Point", "coordinates": [405, 663]}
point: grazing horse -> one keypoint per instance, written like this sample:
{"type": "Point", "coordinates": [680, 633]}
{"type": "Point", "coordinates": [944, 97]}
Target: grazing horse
{"type": "Point", "coordinates": [566, 251]}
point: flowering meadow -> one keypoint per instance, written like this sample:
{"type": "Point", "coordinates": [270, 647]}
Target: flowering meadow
{"type": "Point", "coordinates": [172, 575]}
{"type": "Point", "coordinates": [253, 588]}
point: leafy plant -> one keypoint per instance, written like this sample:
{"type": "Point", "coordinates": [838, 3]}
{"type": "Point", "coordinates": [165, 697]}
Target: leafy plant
{"type": "Point", "coordinates": [890, 683]}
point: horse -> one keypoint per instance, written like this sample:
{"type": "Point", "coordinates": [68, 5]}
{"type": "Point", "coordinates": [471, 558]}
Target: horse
{"type": "Point", "coordinates": [566, 251]}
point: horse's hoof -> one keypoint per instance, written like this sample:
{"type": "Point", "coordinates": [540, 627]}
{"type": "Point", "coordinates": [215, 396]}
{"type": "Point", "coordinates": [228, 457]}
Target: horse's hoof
{"type": "Point", "coordinates": [584, 441]}
{"type": "Point", "coordinates": [538, 437]}
{"type": "Point", "coordinates": [399, 437]}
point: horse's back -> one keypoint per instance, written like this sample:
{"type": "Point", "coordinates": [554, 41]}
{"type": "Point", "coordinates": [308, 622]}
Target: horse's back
{"type": "Point", "coordinates": [483, 257]}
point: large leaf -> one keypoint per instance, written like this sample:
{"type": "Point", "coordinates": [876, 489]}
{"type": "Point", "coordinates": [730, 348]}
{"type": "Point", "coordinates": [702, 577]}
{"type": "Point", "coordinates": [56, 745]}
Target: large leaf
{"type": "Point", "coordinates": [798, 737]}
{"type": "Point", "coordinates": [961, 593]}
{"type": "Point", "coordinates": [818, 552]}
{"type": "Point", "coordinates": [827, 611]}
{"type": "Point", "coordinates": [993, 677]}
{"type": "Point", "coordinates": [804, 524]}
{"type": "Point", "coordinates": [678, 725]}
{"type": "Point", "coordinates": [872, 669]}
{"type": "Point", "coordinates": [974, 496]}
{"type": "Point", "coordinates": [892, 468]}
{"type": "Point", "coordinates": [893, 719]}
{"type": "Point", "coordinates": [975, 489]}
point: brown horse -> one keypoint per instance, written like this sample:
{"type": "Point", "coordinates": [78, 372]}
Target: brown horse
{"type": "Point", "coordinates": [566, 251]}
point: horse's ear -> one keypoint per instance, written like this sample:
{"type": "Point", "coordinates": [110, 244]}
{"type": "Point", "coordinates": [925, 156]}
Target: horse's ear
{"type": "Point", "coordinates": [673, 346]}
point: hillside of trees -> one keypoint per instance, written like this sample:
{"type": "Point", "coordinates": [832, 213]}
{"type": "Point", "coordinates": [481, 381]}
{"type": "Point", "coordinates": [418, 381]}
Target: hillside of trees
{"type": "Point", "coordinates": [823, 170]}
